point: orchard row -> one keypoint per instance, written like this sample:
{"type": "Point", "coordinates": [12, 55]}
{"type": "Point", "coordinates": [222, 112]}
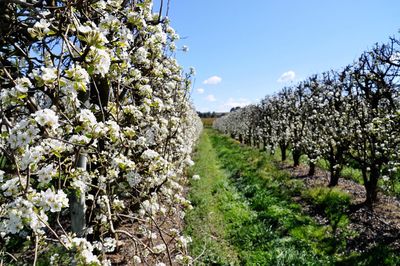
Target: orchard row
{"type": "Point", "coordinates": [96, 133]}
{"type": "Point", "coordinates": [351, 116]}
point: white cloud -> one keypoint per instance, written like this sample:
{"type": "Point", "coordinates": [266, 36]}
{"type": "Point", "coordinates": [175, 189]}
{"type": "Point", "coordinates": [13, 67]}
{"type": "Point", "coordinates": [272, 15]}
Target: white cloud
{"type": "Point", "coordinates": [200, 90]}
{"type": "Point", "coordinates": [211, 98]}
{"type": "Point", "coordinates": [232, 102]}
{"type": "Point", "coordinates": [287, 76]}
{"type": "Point", "coordinates": [214, 80]}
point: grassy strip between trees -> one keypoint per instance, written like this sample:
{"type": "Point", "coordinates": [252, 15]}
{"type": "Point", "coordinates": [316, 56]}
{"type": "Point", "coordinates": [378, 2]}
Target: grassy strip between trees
{"type": "Point", "coordinates": [244, 213]}
{"type": "Point", "coordinates": [212, 196]}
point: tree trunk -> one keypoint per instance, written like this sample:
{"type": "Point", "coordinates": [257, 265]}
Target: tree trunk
{"type": "Point", "coordinates": [335, 165]}
{"type": "Point", "coordinates": [334, 180]}
{"type": "Point", "coordinates": [296, 157]}
{"type": "Point", "coordinates": [78, 206]}
{"type": "Point", "coordinates": [371, 187]}
{"type": "Point", "coordinates": [283, 147]}
{"type": "Point", "coordinates": [311, 171]}
{"type": "Point", "coordinates": [335, 173]}
{"type": "Point", "coordinates": [264, 143]}
{"type": "Point", "coordinates": [78, 200]}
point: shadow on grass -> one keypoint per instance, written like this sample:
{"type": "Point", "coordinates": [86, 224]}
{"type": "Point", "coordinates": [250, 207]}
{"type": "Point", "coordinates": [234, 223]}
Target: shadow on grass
{"type": "Point", "coordinates": [379, 255]}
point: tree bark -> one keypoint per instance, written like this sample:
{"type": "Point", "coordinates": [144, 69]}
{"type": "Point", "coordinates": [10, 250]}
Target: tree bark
{"type": "Point", "coordinates": [371, 187]}
{"type": "Point", "coordinates": [264, 143]}
{"type": "Point", "coordinates": [283, 147]}
{"type": "Point", "coordinates": [334, 180]}
{"type": "Point", "coordinates": [334, 173]}
{"type": "Point", "coordinates": [311, 171]}
{"type": "Point", "coordinates": [335, 166]}
{"type": "Point", "coordinates": [296, 157]}
{"type": "Point", "coordinates": [78, 206]}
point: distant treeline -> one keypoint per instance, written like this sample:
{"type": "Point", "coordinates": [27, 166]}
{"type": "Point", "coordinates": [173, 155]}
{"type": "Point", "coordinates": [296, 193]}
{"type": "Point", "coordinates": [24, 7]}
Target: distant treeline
{"type": "Point", "coordinates": [215, 114]}
{"type": "Point", "coordinates": [210, 114]}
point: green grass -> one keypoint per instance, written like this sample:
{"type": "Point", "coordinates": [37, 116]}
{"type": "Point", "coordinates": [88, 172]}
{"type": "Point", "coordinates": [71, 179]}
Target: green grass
{"type": "Point", "coordinates": [347, 172]}
{"type": "Point", "coordinates": [335, 205]}
{"type": "Point", "coordinates": [244, 213]}
{"type": "Point", "coordinates": [332, 199]}
{"type": "Point", "coordinates": [352, 173]}
{"type": "Point", "coordinates": [273, 238]}
{"type": "Point", "coordinates": [216, 209]}
{"type": "Point", "coordinates": [378, 255]}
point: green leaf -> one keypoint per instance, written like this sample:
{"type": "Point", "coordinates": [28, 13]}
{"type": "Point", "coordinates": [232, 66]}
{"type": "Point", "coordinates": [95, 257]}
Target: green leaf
{"type": "Point", "coordinates": [56, 153]}
{"type": "Point", "coordinates": [78, 129]}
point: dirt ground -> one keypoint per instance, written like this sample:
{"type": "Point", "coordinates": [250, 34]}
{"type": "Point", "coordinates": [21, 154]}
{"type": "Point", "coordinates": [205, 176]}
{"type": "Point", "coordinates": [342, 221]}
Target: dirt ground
{"type": "Point", "coordinates": [380, 226]}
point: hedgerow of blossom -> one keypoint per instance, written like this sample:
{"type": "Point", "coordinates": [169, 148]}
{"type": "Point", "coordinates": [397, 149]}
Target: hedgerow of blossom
{"type": "Point", "coordinates": [94, 109]}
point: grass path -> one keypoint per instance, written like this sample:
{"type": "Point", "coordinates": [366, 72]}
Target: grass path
{"type": "Point", "coordinates": [240, 218]}
{"type": "Point", "coordinates": [244, 213]}
{"type": "Point", "coordinates": [210, 196]}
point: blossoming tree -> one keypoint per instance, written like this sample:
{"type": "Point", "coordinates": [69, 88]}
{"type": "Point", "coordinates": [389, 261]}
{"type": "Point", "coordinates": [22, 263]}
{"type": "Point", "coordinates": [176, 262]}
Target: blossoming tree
{"type": "Point", "coordinates": [350, 116]}
{"type": "Point", "coordinates": [96, 129]}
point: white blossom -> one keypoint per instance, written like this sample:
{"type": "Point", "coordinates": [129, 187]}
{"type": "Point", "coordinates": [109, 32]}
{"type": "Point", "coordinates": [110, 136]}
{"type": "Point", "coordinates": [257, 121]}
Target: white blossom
{"type": "Point", "coordinates": [46, 173]}
{"type": "Point", "coordinates": [40, 29]}
{"type": "Point", "coordinates": [46, 117]}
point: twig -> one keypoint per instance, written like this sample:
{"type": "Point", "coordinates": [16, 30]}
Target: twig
{"type": "Point", "coordinates": [116, 231]}
{"type": "Point", "coordinates": [161, 8]}
{"type": "Point", "coordinates": [12, 256]}
{"type": "Point", "coordinates": [59, 224]}
{"type": "Point", "coordinates": [168, 3]}
{"type": "Point", "coordinates": [51, 230]}
{"type": "Point", "coordinates": [28, 178]}
{"type": "Point", "coordinates": [36, 249]}
{"type": "Point", "coordinates": [162, 238]}
{"type": "Point", "coordinates": [129, 216]}
{"type": "Point", "coordinates": [100, 104]}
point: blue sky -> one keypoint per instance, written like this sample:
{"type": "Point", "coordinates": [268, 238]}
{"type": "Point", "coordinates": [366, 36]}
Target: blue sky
{"type": "Point", "coordinates": [249, 49]}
